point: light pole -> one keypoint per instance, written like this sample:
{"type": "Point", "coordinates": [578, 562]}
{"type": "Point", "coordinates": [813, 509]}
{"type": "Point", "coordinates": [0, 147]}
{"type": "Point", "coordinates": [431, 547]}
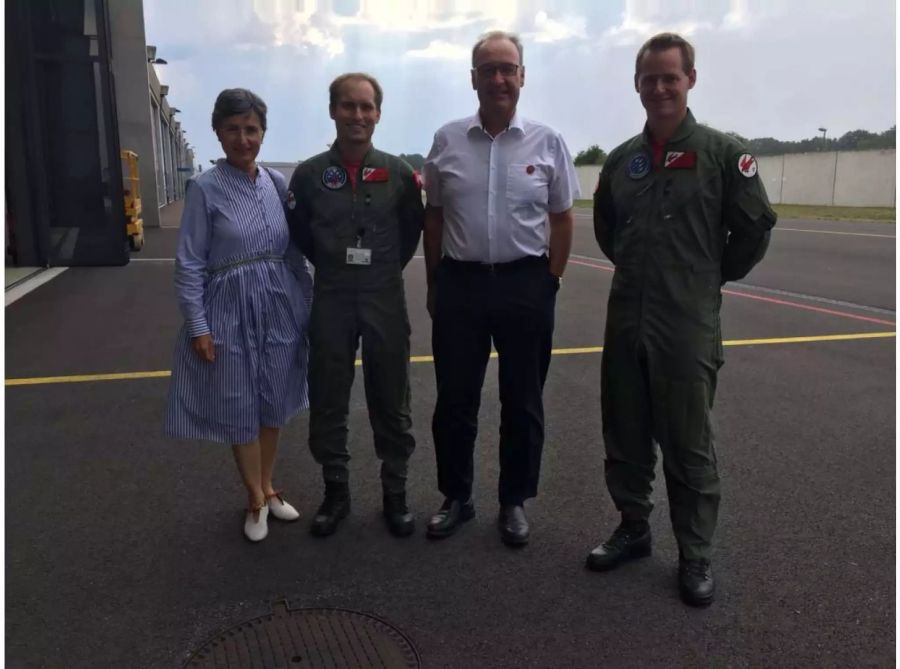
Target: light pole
{"type": "Point", "coordinates": [823, 131]}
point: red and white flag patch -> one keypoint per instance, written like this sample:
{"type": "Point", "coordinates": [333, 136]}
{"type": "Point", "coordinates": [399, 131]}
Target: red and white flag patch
{"type": "Point", "coordinates": [747, 165]}
{"type": "Point", "coordinates": [372, 174]}
{"type": "Point", "coordinates": [680, 160]}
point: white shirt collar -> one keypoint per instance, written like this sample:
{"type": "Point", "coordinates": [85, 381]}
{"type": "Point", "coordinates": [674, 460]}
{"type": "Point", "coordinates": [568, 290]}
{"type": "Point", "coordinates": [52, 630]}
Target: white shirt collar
{"type": "Point", "coordinates": [515, 122]}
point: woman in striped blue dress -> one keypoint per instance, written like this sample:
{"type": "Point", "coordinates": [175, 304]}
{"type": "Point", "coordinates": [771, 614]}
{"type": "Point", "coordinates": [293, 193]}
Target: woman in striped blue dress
{"type": "Point", "coordinates": [240, 362]}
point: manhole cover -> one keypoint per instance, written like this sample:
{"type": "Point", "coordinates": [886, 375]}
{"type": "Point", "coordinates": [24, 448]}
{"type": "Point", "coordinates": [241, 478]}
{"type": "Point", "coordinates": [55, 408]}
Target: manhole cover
{"type": "Point", "coordinates": [309, 639]}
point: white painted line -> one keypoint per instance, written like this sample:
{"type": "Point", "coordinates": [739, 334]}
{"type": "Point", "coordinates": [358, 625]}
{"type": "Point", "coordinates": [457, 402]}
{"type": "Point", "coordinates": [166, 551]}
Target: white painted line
{"type": "Point", "coordinates": [27, 286]}
{"type": "Point", "coordinates": [834, 232]}
{"type": "Point", "coordinates": [152, 260]}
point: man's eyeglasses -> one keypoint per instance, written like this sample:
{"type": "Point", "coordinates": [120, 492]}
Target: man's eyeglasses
{"type": "Point", "coordinates": [489, 70]}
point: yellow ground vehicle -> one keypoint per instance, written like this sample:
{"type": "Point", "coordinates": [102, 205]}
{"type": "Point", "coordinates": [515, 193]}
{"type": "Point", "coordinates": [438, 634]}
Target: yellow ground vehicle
{"type": "Point", "coordinates": [132, 187]}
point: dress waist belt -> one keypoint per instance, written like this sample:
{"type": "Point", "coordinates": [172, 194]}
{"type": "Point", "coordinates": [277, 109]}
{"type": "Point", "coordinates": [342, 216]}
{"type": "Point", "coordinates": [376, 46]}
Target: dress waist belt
{"type": "Point", "coordinates": [245, 261]}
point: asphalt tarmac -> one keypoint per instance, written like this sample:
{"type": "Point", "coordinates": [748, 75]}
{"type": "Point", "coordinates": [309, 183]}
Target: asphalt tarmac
{"type": "Point", "coordinates": [124, 548]}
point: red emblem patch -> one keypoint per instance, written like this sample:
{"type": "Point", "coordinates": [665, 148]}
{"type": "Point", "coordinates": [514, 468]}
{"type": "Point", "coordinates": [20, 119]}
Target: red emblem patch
{"type": "Point", "coordinates": [680, 160]}
{"type": "Point", "coordinates": [529, 169]}
{"type": "Point", "coordinates": [372, 174]}
{"type": "Point", "coordinates": [747, 165]}
{"type": "Point", "coordinates": [420, 183]}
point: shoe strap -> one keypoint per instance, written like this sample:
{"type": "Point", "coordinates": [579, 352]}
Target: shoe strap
{"type": "Point", "coordinates": [277, 494]}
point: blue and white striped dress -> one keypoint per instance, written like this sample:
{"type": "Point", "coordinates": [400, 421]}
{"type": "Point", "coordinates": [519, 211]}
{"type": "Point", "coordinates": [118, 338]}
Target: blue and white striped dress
{"type": "Point", "coordinates": [238, 278]}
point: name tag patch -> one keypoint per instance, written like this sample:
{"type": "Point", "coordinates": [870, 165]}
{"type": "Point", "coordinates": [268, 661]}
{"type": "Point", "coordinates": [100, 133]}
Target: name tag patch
{"type": "Point", "coordinates": [374, 174]}
{"type": "Point", "coordinates": [680, 160]}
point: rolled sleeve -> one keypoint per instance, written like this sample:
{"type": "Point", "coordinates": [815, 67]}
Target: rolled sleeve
{"type": "Point", "coordinates": [564, 188]}
{"type": "Point", "coordinates": [431, 173]}
{"type": "Point", "coordinates": [191, 260]}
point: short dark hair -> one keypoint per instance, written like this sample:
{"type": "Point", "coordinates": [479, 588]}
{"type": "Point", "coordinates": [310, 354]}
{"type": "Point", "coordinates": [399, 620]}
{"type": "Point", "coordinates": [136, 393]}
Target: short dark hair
{"type": "Point", "coordinates": [664, 41]}
{"type": "Point", "coordinates": [233, 101]}
{"type": "Point", "coordinates": [334, 90]}
{"type": "Point", "coordinates": [499, 34]}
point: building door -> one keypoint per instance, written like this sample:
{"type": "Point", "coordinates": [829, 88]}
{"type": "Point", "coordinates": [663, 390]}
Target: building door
{"type": "Point", "coordinates": [73, 200]}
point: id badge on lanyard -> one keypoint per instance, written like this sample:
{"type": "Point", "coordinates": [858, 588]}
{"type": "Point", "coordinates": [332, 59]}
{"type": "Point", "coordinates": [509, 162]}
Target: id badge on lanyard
{"type": "Point", "coordinates": [358, 255]}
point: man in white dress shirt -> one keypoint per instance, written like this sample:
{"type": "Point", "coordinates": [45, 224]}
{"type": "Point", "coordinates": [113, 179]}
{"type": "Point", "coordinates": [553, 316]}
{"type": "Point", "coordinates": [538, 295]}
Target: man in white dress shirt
{"type": "Point", "coordinates": [498, 231]}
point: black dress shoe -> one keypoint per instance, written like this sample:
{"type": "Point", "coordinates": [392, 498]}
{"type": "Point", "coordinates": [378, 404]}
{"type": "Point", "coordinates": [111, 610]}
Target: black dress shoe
{"type": "Point", "coordinates": [695, 582]}
{"type": "Point", "coordinates": [399, 520]}
{"type": "Point", "coordinates": [334, 508]}
{"type": "Point", "coordinates": [452, 514]}
{"type": "Point", "coordinates": [513, 525]}
{"type": "Point", "coordinates": [630, 540]}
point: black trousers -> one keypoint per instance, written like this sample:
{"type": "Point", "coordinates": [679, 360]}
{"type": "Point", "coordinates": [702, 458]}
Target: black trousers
{"type": "Point", "coordinates": [511, 304]}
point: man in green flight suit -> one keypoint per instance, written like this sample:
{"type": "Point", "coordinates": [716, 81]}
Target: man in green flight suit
{"type": "Point", "coordinates": [679, 210]}
{"type": "Point", "coordinates": [357, 214]}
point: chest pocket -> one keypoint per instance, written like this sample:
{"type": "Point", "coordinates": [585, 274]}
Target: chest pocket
{"type": "Point", "coordinates": [528, 185]}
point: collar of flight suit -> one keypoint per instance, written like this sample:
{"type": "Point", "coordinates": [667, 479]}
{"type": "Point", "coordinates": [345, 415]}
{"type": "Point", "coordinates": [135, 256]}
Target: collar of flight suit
{"type": "Point", "coordinates": [685, 129]}
{"type": "Point", "coordinates": [373, 157]}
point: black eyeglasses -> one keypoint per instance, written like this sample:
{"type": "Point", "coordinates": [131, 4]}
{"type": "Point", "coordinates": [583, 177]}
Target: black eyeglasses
{"type": "Point", "coordinates": [489, 70]}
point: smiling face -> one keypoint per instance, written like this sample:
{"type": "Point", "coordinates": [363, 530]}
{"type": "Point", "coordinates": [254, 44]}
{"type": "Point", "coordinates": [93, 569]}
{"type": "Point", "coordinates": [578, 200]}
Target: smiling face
{"type": "Point", "coordinates": [663, 84]}
{"type": "Point", "coordinates": [497, 76]}
{"type": "Point", "coordinates": [241, 136]}
{"type": "Point", "coordinates": [355, 113]}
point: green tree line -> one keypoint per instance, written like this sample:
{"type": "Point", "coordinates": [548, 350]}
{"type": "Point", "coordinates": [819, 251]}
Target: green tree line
{"type": "Point", "coordinates": [855, 140]}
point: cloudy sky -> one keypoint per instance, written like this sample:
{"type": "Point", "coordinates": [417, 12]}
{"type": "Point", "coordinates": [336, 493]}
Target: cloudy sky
{"type": "Point", "coordinates": [778, 68]}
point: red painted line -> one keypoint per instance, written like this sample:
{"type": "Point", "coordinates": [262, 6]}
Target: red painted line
{"type": "Point", "coordinates": [773, 300]}
{"type": "Point", "coordinates": [587, 264]}
{"type": "Point", "coordinates": [808, 307]}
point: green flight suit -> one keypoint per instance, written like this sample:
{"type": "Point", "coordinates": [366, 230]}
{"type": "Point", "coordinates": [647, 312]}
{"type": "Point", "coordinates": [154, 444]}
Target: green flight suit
{"type": "Point", "coordinates": [676, 234]}
{"type": "Point", "coordinates": [327, 216]}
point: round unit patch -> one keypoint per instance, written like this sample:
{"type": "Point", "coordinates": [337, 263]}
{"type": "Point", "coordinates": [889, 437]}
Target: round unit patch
{"type": "Point", "coordinates": [291, 200]}
{"type": "Point", "coordinates": [638, 166]}
{"type": "Point", "coordinates": [334, 177]}
{"type": "Point", "coordinates": [747, 165]}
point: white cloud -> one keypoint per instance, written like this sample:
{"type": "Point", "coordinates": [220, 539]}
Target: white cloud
{"type": "Point", "coordinates": [644, 18]}
{"type": "Point", "coordinates": [439, 49]}
{"type": "Point", "coordinates": [552, 30]}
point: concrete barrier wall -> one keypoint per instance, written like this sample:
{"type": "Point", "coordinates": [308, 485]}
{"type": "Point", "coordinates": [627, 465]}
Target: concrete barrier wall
{"type": "Point", "coordinates": [866, 179]}
{"type": "Point", "coordinates": [287, 169]}
{"type": "Point", "coordinates": [587, 179]}
{"type": "Point", "coordinates": [771, 171]}
{"type": "Point", "coordinates": [842, 178]}
{"type": "Point", "coordinates": [808, 178]}
{"type": "Point", "coordinates": [845, 178]}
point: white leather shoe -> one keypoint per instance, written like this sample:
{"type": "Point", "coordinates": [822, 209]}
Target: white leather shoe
{"type": "Point", "coordinates": [280, 509]}
{"type": "Point", "coordinates": [256, 529]}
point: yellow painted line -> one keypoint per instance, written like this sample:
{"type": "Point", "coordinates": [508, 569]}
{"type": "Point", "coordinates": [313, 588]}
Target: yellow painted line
{"type": "Point", "coordinates": [803, 340]}
{"type": "Point", "coordinates": [86, 377]}
{"type": "Point", "coordinates": [40, 380]}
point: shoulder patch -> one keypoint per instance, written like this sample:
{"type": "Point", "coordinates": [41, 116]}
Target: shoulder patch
{"type": "Point", "coordinates": [747, 165]}
{"type": "Point", "coordinates": [290, 200]}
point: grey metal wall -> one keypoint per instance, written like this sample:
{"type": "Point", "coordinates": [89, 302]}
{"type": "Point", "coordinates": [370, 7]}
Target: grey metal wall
{"type": "Point", "coordinates": [840, 178]}
{"type": "Point", "coordinates": [129, 64]}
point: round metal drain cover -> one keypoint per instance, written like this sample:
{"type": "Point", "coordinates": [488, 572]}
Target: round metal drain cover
{"type": "Point", "coordinates": [309, 639]}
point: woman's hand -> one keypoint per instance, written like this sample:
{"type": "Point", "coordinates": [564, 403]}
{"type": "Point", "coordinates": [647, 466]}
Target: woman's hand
{"type": "Point", "coordinates": [204, 347]}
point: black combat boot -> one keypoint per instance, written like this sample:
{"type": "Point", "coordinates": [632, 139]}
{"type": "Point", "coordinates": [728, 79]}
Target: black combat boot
{"type": "Point", "coordinates": [333, 510]}
{"type": "Point", "coordinates": [399, 520]}
{"type": "Point", "coordinates": [631, 539]}
{"type": "Point", "coordinates": [695, 582]}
